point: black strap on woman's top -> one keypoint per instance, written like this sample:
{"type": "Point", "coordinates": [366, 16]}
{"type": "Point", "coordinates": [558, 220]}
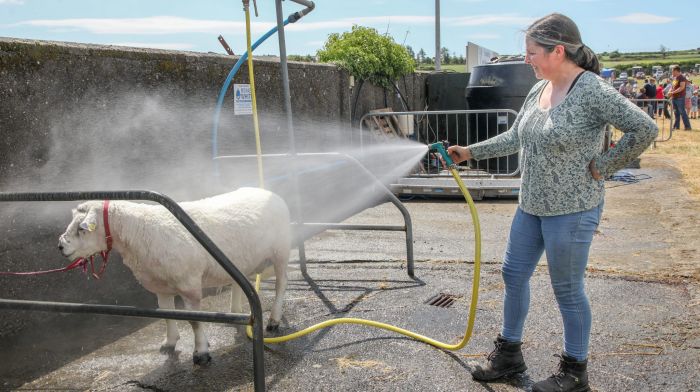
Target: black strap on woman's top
{"type": "Point", "coordinates": [574, 82]}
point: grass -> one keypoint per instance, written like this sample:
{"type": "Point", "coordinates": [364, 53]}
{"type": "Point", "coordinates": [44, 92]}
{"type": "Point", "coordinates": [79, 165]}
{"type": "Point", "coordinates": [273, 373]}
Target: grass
{"type": "Point", "coordinates": [684, 149]}
{"type": "Point", "coordinates": [461, 68]}
{"type": "Point", "coordinates": [648, 59]}
{"type": "Point", "coordinates": [625, 61]}
{"type": "Point", "coordinates": [607, 63]}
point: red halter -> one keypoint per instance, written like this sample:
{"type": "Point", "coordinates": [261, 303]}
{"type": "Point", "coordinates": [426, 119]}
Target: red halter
{"type": "Point", "coordinates": [105, 219]}
{"type": "Point", "coordinates": [108, 240]}
{"type": "Point", "coordinates": [81, 261]}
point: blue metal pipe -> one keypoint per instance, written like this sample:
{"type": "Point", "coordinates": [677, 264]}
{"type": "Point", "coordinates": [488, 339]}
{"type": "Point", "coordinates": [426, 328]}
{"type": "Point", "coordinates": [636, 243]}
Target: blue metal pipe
{"type": "Point", "coordinates": [227, 83]}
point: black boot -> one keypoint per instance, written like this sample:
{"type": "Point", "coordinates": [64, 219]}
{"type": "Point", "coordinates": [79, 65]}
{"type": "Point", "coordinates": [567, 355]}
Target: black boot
{"type": "Point", "coordinates": [571, 377]}
{"type": "Point", "coordinates": [505, 360]}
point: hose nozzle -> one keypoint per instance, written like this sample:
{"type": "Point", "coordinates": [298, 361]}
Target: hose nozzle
{"type": "Point", "coordinates": [441, 148]}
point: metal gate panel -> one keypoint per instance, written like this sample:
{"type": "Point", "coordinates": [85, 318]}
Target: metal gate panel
{"type": "Point", "coordinates": [462, 127]}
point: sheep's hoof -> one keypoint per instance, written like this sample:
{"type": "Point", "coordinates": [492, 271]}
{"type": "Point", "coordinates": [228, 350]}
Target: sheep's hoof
{"type": "Point", "coordinates": [202, 359]}
{"type": "Point", "coordinates": [167, 349]}
{"type": "Point", "coordinates": [272, 327]}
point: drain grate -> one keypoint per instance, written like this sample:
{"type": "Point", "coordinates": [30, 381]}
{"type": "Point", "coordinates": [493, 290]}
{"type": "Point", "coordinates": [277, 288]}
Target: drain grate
{"type": "Point", "coordinates": [443, 300]}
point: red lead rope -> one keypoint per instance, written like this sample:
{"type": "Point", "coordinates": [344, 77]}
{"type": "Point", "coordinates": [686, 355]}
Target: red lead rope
{"type": "Point", "coordinates": [82, 262]}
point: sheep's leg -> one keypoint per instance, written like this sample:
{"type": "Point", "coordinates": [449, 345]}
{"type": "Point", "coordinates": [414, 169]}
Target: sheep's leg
{"type": "Point", "coordinates": [236, 298]}
{"type": "Point", "coordinates": [280, 289]}
{"type": "Point", "coordinates": [237, 305]}
{"type": "Point", "coordinates": [200, 356]}
{"type": "Point", "coordinates": [166, 301]}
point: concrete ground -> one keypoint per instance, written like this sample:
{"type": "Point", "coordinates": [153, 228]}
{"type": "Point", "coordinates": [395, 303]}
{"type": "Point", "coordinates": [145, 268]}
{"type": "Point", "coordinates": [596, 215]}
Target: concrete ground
{"type": "Point", "coordinates": [637, 343]}
{"type": "Point", "coordinates": [644, 338]}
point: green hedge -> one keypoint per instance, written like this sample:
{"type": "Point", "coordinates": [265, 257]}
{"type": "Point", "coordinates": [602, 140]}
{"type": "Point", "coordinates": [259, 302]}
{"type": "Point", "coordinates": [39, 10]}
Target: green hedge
{"type": "Point", "coordinates": [686, 65]}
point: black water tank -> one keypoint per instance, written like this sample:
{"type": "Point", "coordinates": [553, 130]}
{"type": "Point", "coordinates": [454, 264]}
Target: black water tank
{"type": "Point", "coordinates": [445, 90]}
{"type": "Point", "coordinates": [499, 85]}
{"type": "Point", "coordinates": [502, 85]}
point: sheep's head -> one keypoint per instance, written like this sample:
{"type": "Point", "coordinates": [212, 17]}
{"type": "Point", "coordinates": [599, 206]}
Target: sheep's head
{"type": "Point", "coordinates": [85, 234]}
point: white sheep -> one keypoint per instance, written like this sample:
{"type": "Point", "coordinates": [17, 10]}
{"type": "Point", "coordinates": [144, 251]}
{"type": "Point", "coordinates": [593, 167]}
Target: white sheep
{"type": "Point", "coordinates": [250, 225]}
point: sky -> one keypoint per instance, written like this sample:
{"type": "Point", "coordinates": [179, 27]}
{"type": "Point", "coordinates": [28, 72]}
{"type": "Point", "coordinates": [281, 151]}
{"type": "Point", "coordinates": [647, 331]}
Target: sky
{"type": "Point", "coordinates": [606, 25]}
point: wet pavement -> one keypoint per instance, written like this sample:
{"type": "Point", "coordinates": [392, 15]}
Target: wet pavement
{"type": "Point", "coordinates": [644, 338]}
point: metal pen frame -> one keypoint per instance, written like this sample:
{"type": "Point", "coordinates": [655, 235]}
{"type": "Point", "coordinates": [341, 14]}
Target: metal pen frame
{"type": "Point", "coordinates": [407, 226]}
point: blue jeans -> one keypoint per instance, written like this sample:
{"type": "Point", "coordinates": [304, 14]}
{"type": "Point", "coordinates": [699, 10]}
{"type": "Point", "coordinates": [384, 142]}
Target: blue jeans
{"type": "Point", "coordinates": [567, 240]}
{"type": "Point", "coordinates": [679, 112]}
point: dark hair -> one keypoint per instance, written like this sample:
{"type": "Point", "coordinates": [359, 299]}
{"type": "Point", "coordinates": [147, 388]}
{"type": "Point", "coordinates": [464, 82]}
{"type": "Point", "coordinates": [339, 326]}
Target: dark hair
{"type": "Point", "coordinates": [557, 29]}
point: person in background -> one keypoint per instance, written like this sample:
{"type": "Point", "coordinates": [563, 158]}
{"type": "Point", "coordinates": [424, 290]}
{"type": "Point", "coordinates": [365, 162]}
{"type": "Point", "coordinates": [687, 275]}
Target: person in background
{"type": "Point", "coordinates": [661, 106]}
{"type": "Point", "coordinates": [694, 105]}
{"type": "Point", "coordinates": [677, 94]}
{"type": "Point", "coordinates": [667, 93]}
{"type": "Point", "coordinates": [688, 92]}
{"type": "Point", "coordinates": [650, 93]}
{"type": "Point", "coordinates": [625, 89]}
{"type": "Point", "coordinates": [559, 135]}
{"type": "Point", "coordinates": [640, 99]}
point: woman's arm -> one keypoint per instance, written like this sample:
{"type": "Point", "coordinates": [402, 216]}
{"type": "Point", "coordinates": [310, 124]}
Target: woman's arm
{"type": "Point", "coordinates": [639, 129]}
{"type": "Point", "coordinates": [459, 154]}
{"type": "Point", "coordinates": [501, 145]}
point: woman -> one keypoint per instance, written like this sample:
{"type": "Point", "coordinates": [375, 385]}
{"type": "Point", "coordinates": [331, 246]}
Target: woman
{"type": "Point", "coordinates": [559, 134]}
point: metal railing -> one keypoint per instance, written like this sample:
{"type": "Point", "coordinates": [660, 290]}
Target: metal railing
{"type": "Point", "coordinates": [463, 127]}
{"type": "Point", "coordinates": [219, 317]}
{"type": "Point", "coordinates": [336, 161]}
{"type": "Point", "coordinates": [662, 111]}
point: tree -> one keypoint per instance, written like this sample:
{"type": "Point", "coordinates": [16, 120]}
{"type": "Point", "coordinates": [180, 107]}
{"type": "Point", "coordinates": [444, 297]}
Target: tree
{"type": "Point", "coordinates": [420, 57]}
{"type": "Point", "coordinates": [445, 55]}
{"type": "Point", "coordinates": [615, 54]}
{"type": "Point", "coordinates": [304, 58]}
{"type": "Point", "coordinates": [663, 51]}
{"type": "Point", "coordinates": [368, 55]}
{"type": "Point", "coordinates": [410, 51]}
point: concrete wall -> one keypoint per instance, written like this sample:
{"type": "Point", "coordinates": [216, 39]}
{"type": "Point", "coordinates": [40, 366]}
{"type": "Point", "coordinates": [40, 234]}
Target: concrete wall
{"type": "Point", "coordinates": [86, 117]}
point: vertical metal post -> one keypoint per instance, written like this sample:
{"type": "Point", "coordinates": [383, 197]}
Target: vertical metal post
{"type": "Point", "coordinates": [437, 35]}
{"type": "Point", "coordinates": [290, 129]}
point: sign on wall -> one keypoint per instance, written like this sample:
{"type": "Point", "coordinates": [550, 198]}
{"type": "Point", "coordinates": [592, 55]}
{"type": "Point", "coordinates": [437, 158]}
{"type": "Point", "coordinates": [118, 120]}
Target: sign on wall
{"type": "Point", "coordinates": [242, 99]}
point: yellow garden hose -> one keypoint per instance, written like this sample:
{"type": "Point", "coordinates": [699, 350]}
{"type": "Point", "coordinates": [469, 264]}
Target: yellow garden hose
{"type": "Point", "coordinates": [251, 77]}
{"type": "Point", "coordinates": [388, 327]}
{"type": "Point", "coordinates": [347, 320]}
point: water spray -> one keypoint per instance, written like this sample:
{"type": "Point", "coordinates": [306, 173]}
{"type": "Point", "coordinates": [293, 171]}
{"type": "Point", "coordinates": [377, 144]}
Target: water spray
{"type": "Point", "coordinates": [439, 148]}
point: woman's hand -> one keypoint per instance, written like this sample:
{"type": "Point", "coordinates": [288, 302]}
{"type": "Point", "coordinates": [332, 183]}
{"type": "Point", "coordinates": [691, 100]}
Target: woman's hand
{"type": "Point", "coordinates": [594, 170]}
{"type": "Point", "coordinates": [459, 154]}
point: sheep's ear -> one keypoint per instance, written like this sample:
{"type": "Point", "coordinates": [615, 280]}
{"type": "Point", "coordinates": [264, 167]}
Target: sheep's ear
{"type": "Point", "coordinates": [90, 221]}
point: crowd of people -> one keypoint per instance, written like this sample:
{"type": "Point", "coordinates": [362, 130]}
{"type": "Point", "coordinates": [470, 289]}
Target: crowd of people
{"type": "Point", "coordinates": [656, 98]}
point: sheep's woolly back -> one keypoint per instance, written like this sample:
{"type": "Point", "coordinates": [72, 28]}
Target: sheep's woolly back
{"type": "Point", "coordinates": [249, 225]}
